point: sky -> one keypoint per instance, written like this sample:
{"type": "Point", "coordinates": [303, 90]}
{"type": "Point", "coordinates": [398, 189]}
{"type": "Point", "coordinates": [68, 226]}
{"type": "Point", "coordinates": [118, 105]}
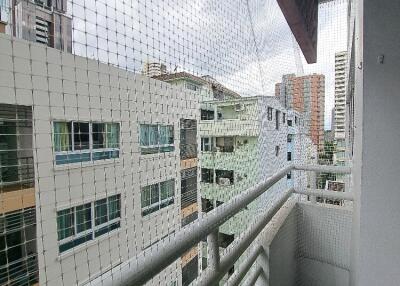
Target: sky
{"type": "Point", "coordinates": [245, 44]}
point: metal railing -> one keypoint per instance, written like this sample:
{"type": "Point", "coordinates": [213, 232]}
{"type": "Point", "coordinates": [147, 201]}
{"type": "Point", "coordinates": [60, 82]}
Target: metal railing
{"type": "Point", "coordinates": [148, 263]}
{"type": "Point", "coordinates": [16, 174]}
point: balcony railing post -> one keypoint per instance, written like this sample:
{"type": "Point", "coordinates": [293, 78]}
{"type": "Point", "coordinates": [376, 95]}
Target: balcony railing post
{"type": "Point", "coordinates": [263, 261]}
{"type": "Point", "coordinates": [213, 250]}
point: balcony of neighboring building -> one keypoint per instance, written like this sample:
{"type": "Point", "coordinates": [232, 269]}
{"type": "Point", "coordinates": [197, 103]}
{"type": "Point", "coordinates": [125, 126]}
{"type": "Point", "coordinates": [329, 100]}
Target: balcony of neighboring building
{"type": "Point", "coordinates": [17, 189]}
{"type": "Point", "coordinates": [227, 151]}
{"type": "Point", "coordinates": [229, 118]}
{"type": "Point", "coordinates": [18, 250]}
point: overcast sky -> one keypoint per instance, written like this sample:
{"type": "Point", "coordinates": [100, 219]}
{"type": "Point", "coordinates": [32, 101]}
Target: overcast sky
{"type": "Point", "coordinates": [246, 45]}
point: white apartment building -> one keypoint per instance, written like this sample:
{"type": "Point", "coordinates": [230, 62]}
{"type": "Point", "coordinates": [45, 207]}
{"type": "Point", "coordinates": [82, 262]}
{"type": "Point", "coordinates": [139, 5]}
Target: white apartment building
{"type": "Point", "coordinates": [243, 142]}
{"type": "Point", "coordinates": [340, 108]}
{"type": "Point", "coordinates": [340, 95]}
{"type": "Point", "coordinates": [106, 159]}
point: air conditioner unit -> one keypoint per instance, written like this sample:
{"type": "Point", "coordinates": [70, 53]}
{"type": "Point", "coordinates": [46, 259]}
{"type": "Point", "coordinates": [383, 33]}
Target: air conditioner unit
{"type": "Point", "coordinates": [239, 107]}
{"type": "Point", "coordinates": [224, 181]}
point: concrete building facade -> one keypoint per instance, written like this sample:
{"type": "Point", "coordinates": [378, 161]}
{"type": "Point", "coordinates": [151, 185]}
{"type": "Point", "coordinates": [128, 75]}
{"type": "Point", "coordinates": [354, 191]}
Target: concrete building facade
{"type": "Point", "coordinates": [105, 150]}
{"type": "Point", "coordinates": [206, 88]}
{"type": "Point", "coordinates": [244, 141]}
{"type": "Point", "coordinates": [305, 94]}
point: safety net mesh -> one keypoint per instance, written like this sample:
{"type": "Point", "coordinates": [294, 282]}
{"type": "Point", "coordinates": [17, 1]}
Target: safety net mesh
{"type": "Point", "coordinates": [123, 122]}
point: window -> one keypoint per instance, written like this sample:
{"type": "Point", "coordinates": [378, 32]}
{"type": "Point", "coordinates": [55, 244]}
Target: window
{"type": "Point", "coordinates": [290, 122]}
{"type": "Point", "coordinates": [188, 139]}
{"type": "Point", "coordinates": [85, 141]}
{"type": "Point", "coordinates": [81, 135]}
{"type": "Point", "coordinates": [289, 176]}
{"type": "Point", "coordinates": [283, 117]}
{"type": "Point", "coordinates": [207, 175]}
{"type": "Point", "coordinates": [157, 196]}
{"type": "Point", "coordinates": [188, 187]}
{"type": "Point", "coordinates": [224, 240]}
{"type": "Point", "coordinates": [207, 144]}
{"type": "Point", "coordinates": [295, 120]}
{"type": "Point", "coordinates": [289, 156]}
{"type": "Point", "coordinates": [277, 112]}
{"type": "Point", "coordinates": [192, 86]}
{"type": "Point", "coordinates": [269, 111]}
{"type": "Point", "coordinates": [77, 225]}
{"type": "Point", "coordinates": [224, 144]}
{"type": "Point", "coordinates": [206, 205]}
{"type": "Point", "coordinates": [207, 114]}
{"type": "Point", "coordinates": [290, 138]}
{"type": "Point", "coordinates": [277, 151]}
{"type": "Point", "coordinates": [155, 138]}
{"type": "Point", "coordinates": [224, 177]}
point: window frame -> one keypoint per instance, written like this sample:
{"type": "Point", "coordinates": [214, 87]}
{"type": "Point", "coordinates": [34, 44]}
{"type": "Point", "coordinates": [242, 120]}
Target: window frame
{"type": "Point", "coordinates": [93, 227]}
{"type": "Point", "coordinates": [161, 203]}
{"type": "Point", "coordinates": [277, 119]}
{"type": "Point", "coordinates": [91, 151]}
{"type": "Point", "coordinates": [157, 146]}
{"type": "Point", "coordinates": [269, 113]}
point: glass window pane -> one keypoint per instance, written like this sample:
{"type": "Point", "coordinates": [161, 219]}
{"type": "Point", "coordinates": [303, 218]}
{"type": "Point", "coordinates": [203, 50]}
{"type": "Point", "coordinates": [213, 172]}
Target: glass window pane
{"type": "Point", "coordinates": [155, 193]}
{"type": "Point", "coordinates": [83, 217]}
{"type": "Point", "coordinates": [163, 134]}
{"type": "Point", "coordinates": [153, 135]}
{"type": "Point", "coordinates": [167, 189]}
{"type": "Point", "coordinates": [98, 133]}
{"type": "Point", "coordinates": [144, 135]}
{"type": "Point", "coordinates": [170, 134]}
{"type": "Point", "coordinates": [145, 196]}
{"type": "Point", "coordinates": [62, 136]}
{"type": "Point", "coordinates": [114, 207]}
{"type": "Point", "coordinates": [100, 212]}
{"type": "Point", "coordinates": [81, 135]}
{"type": "Point", "coordinates": [65, 223]}
{"type": "Point", "coordinates": [112, 135]}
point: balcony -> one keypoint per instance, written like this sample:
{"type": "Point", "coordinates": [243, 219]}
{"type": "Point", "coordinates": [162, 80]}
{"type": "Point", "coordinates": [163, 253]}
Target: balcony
{"type": "Point", "coordinates": [229, 127]}
{"type": "Point", "coordinates": [294, 240]}
{"type": "Point", "coordinates": [19, 192]}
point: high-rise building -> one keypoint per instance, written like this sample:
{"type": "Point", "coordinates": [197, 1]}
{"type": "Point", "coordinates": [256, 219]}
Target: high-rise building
{"type": "Point", "coordinates": [340, 95]}
{"type": "Point", "coordinates": [152, 69]}
{"type": "Point", "coordinates": [340, 108]}
{"type": "Point", "coordinates": [305, 94]}
{"type": "Point", "coordinates": [44, 22]}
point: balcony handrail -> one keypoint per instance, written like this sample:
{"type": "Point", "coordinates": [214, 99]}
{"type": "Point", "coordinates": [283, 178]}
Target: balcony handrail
{"type": "Point", "coordinates": [151, 261]}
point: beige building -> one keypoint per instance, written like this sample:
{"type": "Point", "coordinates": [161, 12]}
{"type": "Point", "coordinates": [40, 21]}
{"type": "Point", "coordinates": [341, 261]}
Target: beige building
{"type": "Point", "coordinates": [306, 94]}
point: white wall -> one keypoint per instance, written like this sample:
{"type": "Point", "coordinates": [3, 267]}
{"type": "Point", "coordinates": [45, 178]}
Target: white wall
{"type": "Point", "coordinates": [377, 137]}
{"type": "Point", "coordinates": [312, 247]}
{"type": "Point", "coordinates": [66, 87]}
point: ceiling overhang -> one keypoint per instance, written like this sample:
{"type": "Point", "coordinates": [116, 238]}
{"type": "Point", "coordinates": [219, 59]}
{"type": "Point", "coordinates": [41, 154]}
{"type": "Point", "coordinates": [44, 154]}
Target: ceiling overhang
{"type": "Point", "coordinates": [302, 17]}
